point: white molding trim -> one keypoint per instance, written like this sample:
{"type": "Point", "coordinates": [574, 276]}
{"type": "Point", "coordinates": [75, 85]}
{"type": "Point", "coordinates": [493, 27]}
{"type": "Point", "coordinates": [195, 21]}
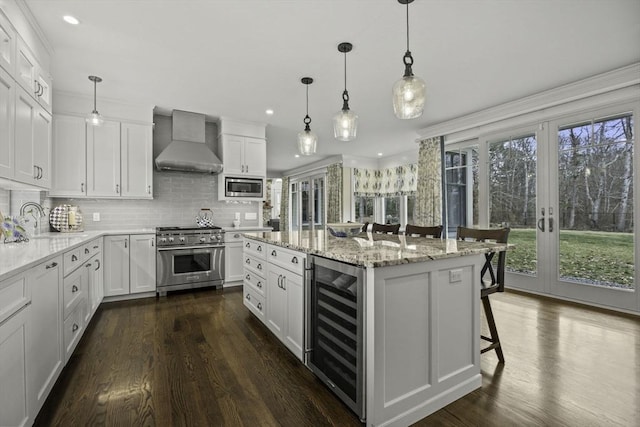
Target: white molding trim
{"type": "Point", "coordinates": [313, 168]}
{"type": "Point", "coordinates": [26, 11]}
{"type": "Point", "coordinates": [600, 84]}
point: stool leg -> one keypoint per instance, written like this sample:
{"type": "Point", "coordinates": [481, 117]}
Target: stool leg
{"type": "Point", "coordinates": [495, 340]}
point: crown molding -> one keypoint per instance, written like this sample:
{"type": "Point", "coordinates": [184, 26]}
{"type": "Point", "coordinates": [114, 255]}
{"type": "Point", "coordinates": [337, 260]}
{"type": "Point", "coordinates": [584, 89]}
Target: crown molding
{"type": "Point", "coordinates": [26, 11]}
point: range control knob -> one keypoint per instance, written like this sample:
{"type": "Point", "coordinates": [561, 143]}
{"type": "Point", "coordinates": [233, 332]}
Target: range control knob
{"type": "Point", "coordinates": [203, 239]}
{"type": "Point", "coordinates": [182, 239]}
{"type": "Point", "coordinates": [170, 239]}
{"type": "Point", "coordinates": [163, 240]}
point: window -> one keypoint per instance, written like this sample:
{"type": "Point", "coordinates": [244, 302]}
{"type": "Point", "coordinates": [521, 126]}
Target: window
{"type": "Point", "coordinates": [392, 209]}
{"type": "Point", "coordinates": [365, 209]}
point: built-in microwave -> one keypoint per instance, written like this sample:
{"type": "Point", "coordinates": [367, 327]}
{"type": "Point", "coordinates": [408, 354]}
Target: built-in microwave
{"type": "Point", "coordinates": [243, 187]}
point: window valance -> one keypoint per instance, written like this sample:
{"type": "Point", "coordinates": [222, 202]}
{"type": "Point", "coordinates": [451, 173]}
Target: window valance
{"type": "Point", "coordinates": [395, 181]}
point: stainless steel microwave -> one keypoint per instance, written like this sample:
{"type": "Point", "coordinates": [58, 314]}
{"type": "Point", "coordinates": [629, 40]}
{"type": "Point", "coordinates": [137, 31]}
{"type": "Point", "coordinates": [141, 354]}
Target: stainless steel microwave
{"type": "Point", "coordinates": [243, 187]}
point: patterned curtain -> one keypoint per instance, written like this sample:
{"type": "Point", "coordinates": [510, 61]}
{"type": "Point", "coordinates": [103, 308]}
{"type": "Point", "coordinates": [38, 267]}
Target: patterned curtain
{"type": "Point", "coordinates": [365, 182]}
{"type": "Point", "coordinates": [428, 208]}
{"type": "Point", "coordinates": [284, 205]}
{"type": "Point", "coordinates": [334, 193]}
{"type": "Point", "coordinates": [396, 181]}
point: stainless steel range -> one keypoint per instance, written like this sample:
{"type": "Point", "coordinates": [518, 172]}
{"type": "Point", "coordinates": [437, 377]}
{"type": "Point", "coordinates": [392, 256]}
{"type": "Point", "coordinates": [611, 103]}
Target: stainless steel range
{"type": "Point", "coordinates": [189, 257]}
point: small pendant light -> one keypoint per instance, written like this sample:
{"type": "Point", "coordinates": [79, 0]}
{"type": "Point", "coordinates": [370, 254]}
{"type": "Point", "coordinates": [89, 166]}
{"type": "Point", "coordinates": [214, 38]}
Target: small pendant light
{"type": "Point", "coordinates": [409, 92]}
{"type": "Point", "coordinates": [307, 140]}
{"type": "Point", "coordinates": [95, 119]}
{"type": "Point", "coordinates": [345, 123]}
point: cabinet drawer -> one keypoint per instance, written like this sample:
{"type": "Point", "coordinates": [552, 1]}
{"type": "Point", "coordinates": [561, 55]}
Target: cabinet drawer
{"type": "Point", "coordinates": [73, 327]}
{"type": "Point", "coordinates": [73, 291]}
{"type": "Point", "coordinates": [71, 260]}
{"type": "Point", "coordinates": [255, 303]}
{"type": "Point", "coordinates": [255, 265]}
{"type": "Point", "coordinates": [255, 281]}
{"type": "Point", "coordinates": [15, 293]}
{"type": "Point", "coordinates": [89, 250]}
{"type": "Point", "coordinates": [233, 236]}
{"type": "Point", "coordinates": [293, 261]}
{"type": "Point", "coordinates": [255, 248]}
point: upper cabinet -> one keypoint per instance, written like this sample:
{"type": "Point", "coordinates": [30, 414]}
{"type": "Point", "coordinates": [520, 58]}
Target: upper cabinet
{"type": "Point", "coordinates": [25, 103]}
{"type": "Point", "coordinates": [243, 150]}
{"type": "Point", "coordinates": [110, 161]}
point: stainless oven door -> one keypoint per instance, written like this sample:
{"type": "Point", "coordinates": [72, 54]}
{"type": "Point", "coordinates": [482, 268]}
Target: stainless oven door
{"type": "Point", "coordinates": [185, 265]}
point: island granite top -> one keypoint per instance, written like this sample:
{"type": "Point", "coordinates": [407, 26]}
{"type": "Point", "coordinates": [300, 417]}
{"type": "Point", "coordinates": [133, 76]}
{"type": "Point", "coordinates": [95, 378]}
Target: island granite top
{"type": "Point", "coordinates": [375, 250]}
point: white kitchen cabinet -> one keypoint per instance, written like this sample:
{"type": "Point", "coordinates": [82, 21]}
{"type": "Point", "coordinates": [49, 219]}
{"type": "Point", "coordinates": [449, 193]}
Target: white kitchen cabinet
{"type": "Point", "coordinates": [113, 160]}
{"type": "Point", "coordinates": [130, 262]}
{"type": "Point", "coordinates": [285, 307]}
{"type": "Point", "coordinates": [7, 118]}
{"type": "Point", "coordinates": [32, 142]}
{"type": "Point", "coordinates": [103, 160]}
{"type": "Point", "coordinates": [8, 40]}
{"type": "Point", "coordinates": [243, 156]}
{"type": "Point", "coordinates": [69, 148]}
{"type": "Point", "coordinates": [13, 353]}
{"type": "Point", "coordinates": [26, 65]}
{"type": "Point", "coordinates": [233, 267]}
{"type": "Point", "coordinates": [92, 253]}
{"type": "Point", "coordinates": [44, 360]}
{"type": "Point", "coordinates": [136, 160]}
{"type": "Point", "coordinates": [255, 278]}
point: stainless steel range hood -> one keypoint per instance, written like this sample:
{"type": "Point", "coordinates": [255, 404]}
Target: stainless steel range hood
{"type": "Point", "coordinates": [187, 151]}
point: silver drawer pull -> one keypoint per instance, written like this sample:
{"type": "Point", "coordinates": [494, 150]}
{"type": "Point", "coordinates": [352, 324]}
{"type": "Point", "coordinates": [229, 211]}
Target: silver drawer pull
{"type": "Point", "coordinates": [248, 277]}
{"type": "Point", "coordinates": [248, 261]}
{"type": "Point", "coordinates": [259, 249]}
{"type": "Point", "coordinates": [259, 284]}
{"type": "Point", "coordinates": [273, 253]}
{"type": "Point", "coordinates": [235, 236]}
{"type": "Point", "coordinates": [74, 258]}
{"type": "Point", "coordinates": [74, 289]}
{"type": "Point", "coordinates": [260, 306]}
{"type": "Point", "coordinates": [96, 247]}
{"type": "Point", "coordinates": [86, 250]}
{"type": "Point", "coordinates": [248, 297]}
{"type": "Point", "coordinates": [247, 245]}
{"type": "Point", "coordinates": [88, 265]}
{"type": "Point", "coordinates": [75, 327]}
{"type": "Point", "coordinates": [259, 266]}
{"type": "Point", "coordinates": [294, 260]}
{"type": "Point", "coordinates": [53, 264]}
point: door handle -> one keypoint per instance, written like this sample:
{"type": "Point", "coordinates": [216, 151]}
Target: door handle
{"type": "Point", "coordinates": [117, 188]}
{"type": "Point", "coordinates": [126, 241]}
{"type": "Point", "coordinates": [550, 224]}
{"type": "Point", "coordinates": [541, 221]}
{"type": "Point", "coordinates": [98, 267]}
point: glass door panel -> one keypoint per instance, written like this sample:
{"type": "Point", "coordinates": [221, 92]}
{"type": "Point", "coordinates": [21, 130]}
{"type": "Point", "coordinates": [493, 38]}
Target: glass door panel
{"type": "Point", "coordinates": [512, 185]}
{"type": "Point", "coordinates": [318, 202]}
{"type": "Point", "coordinates": [595, 239]}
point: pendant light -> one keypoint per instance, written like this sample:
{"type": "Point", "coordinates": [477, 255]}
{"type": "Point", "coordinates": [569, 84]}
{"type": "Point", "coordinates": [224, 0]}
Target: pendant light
{"type": "Point", "coordinates": [307, 140]}
{"type": "Point", "coordinates": [409, 92]}
{"type": "Point", "coordinates": [95, 119]}
{"type": "Point", "coordinates": [345, 123]}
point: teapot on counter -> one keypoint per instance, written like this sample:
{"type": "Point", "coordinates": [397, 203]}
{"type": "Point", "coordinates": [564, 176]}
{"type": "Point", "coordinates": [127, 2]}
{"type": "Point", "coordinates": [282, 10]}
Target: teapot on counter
{"type": "Point", "coordinates": [204, 218]}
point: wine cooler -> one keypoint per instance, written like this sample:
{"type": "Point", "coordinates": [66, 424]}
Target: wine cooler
{"type": "Point", "coordinates": [335, 340]}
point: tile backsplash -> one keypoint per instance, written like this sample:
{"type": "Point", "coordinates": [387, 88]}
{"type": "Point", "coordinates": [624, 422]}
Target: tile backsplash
{"type": "Point", "coordinates": [4, 201]}
{"type": "Point", "coordinates": [177, 199]}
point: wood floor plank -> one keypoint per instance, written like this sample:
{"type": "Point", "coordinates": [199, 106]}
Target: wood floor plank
{"type": "Point", "coordinates": [201, 359]}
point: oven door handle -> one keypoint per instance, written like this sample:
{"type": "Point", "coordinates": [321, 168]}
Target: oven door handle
{"type": "Point", "coordinates": [174, 248]}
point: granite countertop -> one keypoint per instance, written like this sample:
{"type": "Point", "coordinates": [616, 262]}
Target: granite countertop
{"type": "Point", "coordinates": [18, 257]}
{"type": "Point", "coordinates": [375, 250]}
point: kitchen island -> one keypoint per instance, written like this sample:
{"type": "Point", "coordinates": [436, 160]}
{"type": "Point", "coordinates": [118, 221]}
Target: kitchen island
{"type": "Point", "coordinates": [419, 330]}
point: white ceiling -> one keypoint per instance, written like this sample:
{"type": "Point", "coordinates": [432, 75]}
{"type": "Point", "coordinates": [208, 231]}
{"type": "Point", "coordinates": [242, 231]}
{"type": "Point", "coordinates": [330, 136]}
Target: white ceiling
{"type": "Point", "coordinates": [237, 58]}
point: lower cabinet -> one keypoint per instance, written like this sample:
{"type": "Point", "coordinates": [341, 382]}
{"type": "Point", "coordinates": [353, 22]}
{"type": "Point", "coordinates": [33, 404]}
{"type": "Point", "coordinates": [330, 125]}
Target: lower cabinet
{"type": "Point", "coordinates": [75, 294]}
{"type": "Point", "coordinates": [44, 333]}
{"type": "Point", "coordinates": [13, 355]}
{"type": "Point", "coordinates": [277, 296]}
{"type": "Point", "coordinates": [233, 267]}
{"type": "Point", "coordinates": [131, 264]}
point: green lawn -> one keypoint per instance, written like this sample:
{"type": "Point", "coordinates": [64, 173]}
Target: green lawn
{"type": "Point", "coordinates": [596, 256]}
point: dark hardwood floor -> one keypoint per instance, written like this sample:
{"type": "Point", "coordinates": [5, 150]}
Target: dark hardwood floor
{"type": "Point", "coordinates": [201, 359]}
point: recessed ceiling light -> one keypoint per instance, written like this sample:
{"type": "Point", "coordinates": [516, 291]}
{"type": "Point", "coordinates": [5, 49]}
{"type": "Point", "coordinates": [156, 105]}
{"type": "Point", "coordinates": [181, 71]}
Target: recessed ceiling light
{"type": "Point", "coordinates": [71, 20]}
{"type": "Point", "coordinates": [297, 155]}
{"type": "Point", "coordinates": [269, 112]}
{"type": "Point", "coordinates": [379, 154]}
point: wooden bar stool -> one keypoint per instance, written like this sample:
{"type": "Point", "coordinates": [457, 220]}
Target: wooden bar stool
{"type": "Point", "coordinates": [495, 281]}
{"type": "Point", "coordinates": [434, 231]}
{"type": "Point", "coordinates": [385, 228]}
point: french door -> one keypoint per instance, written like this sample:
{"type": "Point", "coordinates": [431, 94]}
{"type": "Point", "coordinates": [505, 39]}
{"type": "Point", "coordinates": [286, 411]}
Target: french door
{"type": "Point", "coordinates": [308, 203]}
{"type": "Point", "coordinates": [565, 188]}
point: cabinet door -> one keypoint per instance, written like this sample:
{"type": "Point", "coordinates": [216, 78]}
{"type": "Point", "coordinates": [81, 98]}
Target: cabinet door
{"type": "Point", "coordinates": [25, 67]}
{"type": "Point", "coordinates": [43, 88]}
{"type": "Point", "coordinates": [143, 263]}
{"type": "Point", "coordinates": [25, 110]}
{"type": "Point", "coordinates": [255, 156]}
{"type": "Point", "coordinates": [42, 148]}
{"type": "Point", "coordinates": [69, 169]}
{"type": "Point", "coordinates": [232, 152]}
{"type": "Point", "coordinates": [116, 259]}
{"type": "Point", "coordinates": [276, 301]}
{"type": "Point", "coordinates": [103, 160]}
{"type": "Point", "coordinates": [7, 105]}
{"type": "Point", "coordinates": [7, 45]}
{"type": "Point", "coordinates": [294, 323]}
{"type": "Point", "coordinates": [136, 162]}
{"type": "Point", "coordinates": [44, 333]}
{"type": "Point", "coordinates": [96, 282]}
{"type": "Point", "coordinates": [13, 352]}
{"type": "Point", "coordinates": [233, 267]}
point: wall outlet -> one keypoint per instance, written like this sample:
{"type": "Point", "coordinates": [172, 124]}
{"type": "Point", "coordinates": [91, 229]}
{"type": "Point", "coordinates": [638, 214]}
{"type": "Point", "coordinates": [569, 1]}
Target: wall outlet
{"type": "Point", "coordinates": [96, 216]}
{"type": "Point", "coordinates": [455, 276]}
{"type": "Point", "coordinates": [250, 215]}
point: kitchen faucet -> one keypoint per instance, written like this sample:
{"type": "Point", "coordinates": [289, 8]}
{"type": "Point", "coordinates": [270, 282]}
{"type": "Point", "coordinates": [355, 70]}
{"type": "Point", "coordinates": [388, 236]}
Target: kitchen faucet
{"type": "Point", "coordinates": [39, 213]}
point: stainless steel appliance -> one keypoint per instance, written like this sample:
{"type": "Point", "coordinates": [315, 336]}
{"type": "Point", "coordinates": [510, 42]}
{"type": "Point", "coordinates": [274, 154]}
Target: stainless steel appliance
{"type": "Point", "coordinates": [189, 257]}
{"type": "Point", "coordinates": [243, 187]}
{"type": "Point", "coordinates": [335, 325]}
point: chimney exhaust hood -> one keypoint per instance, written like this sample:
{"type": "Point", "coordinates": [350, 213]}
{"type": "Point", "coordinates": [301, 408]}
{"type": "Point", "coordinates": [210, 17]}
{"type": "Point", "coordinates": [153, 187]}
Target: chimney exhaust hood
{"type": "Point", "coordinates": [187, 151]}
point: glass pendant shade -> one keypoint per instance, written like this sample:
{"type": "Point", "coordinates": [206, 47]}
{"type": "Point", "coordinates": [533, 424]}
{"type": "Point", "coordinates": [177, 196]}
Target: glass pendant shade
{"type": "Point", "coordinates": [307, 142]}
{"type": "Point", "coordinates": [409, 95]}
{"type": "Point", "coordinates": [95, 119]}
{"type": "Point", "coordinates": [345, 125]}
